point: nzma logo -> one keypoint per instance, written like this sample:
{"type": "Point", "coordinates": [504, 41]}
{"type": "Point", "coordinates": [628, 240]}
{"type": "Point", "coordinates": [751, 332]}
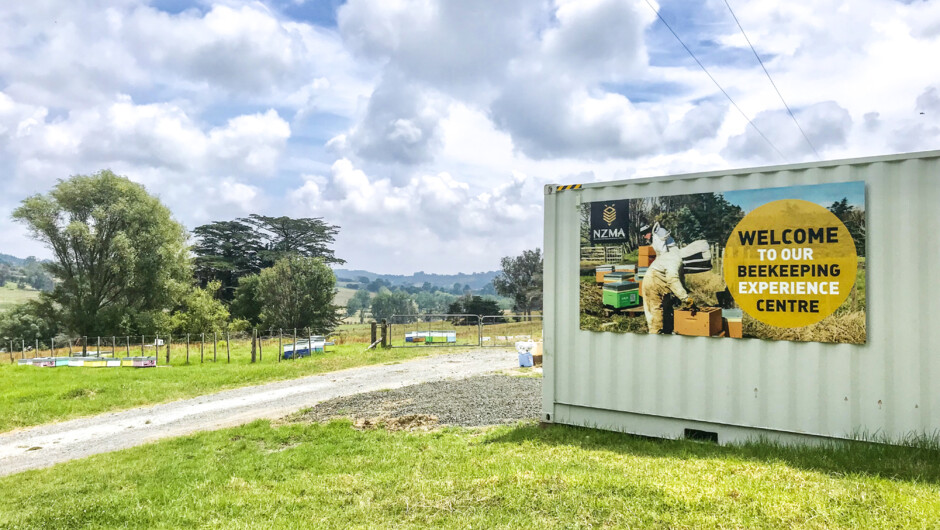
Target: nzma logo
{"type": "Point", "coordinates": [609, 216]}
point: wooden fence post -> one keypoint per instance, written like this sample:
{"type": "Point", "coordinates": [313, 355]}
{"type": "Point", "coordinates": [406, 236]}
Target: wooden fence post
{"type": "Point", "coordinates": [280, 346]}
{"type": "Point", "coordinates": [187, 348]}
{"type": "Point", "coordinates": [374, 333]}
{"type": "Point", "coordinates": [142, 340]}
{"type": "Point", "coordinates": [169, 340]}
{"type": "Point", "coordinates": [228, 352]}
{"type": "Point", "coordinates": [293, 353]}
{"type": "Point", "coordinates": [384, 333]}
{"type": "Point", "coordinates": [254, 333]}
{"type": "Point", "coordinates": [127, 346]}
{"type": "Point", "coordinates": [215, 346]}
{"type": "Point", "coordinates": [202, 347]}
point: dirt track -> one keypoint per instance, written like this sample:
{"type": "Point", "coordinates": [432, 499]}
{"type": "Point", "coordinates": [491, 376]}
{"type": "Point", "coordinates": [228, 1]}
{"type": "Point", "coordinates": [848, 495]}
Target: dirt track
{"type": "Point", "coordinates": [46, 445]}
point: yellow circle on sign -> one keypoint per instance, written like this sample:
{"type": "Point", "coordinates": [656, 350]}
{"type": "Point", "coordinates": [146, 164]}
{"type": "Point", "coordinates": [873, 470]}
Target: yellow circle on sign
{"type": "Point", "coordinates": [790, 263]}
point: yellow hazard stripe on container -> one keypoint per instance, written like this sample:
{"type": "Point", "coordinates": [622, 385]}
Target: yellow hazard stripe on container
{"type": "Point", "coordinates": [568, 187]}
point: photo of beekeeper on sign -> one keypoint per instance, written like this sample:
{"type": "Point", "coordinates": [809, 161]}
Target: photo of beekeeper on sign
{"type": "Point", "coordinates": [772, 263]}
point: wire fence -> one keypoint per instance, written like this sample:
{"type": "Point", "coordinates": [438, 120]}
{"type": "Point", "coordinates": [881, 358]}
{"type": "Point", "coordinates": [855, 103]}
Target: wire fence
{"type": "Point", "coordinates": [276, 345]}
{"type": "Point", "coordinates": [411, 331]}
{"type": "Point", "coordinates": [272, 345]}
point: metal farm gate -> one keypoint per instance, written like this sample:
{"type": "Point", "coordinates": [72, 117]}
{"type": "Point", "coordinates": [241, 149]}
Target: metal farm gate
{"type": "Point", "coordinates": [407, 331]}
{"type": "Point", "coordinates": [507, 330]}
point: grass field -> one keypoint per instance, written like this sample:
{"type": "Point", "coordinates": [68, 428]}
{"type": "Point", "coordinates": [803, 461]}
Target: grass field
{"type": "Point", "coordinates": [33, 395]}
{"type": "Point", "coordinates": [343, 295]}
{"type": "Point", "coordinates": [11, 296]}
{"type": "Point", "coordinates": [331, 476]}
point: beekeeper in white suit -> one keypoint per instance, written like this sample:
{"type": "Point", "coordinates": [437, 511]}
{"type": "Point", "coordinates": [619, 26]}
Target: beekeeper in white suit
{"type": "Point", "coordinates": [663, 277]}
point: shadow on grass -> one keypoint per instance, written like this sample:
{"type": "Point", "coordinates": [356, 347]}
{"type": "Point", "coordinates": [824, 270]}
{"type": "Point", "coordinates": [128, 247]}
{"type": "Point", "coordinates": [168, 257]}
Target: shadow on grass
{"type": "Point", "coordinates": [918, 462]}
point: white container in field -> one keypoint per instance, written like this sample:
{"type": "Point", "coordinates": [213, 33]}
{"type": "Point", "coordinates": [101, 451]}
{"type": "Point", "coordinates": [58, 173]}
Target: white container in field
{"type": "Point", "coordinates": [736, 389]}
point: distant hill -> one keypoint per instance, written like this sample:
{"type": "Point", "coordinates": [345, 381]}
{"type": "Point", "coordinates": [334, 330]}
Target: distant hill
{"type": "Point", "coordinates": [23, 272]}
{"type": "Point", "coordinates": [12, 260]}
{"type": "Point", "coordinates": [476, 280]}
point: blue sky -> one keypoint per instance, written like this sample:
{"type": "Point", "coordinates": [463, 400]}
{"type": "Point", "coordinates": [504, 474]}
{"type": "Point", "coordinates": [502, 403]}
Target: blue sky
{"type": "Point", "coordinates": [437, 123]}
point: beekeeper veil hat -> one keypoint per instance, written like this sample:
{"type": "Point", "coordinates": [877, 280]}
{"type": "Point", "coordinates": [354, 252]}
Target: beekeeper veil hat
{"type": "Point", "coordinates": [662, 241]}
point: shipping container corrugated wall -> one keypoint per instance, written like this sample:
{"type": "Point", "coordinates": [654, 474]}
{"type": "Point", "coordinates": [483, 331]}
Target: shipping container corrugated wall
{"type": "Point", "coordinates": [661, 385]}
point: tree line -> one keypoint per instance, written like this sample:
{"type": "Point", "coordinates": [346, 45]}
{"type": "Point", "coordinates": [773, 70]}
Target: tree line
{"type": "Point", "coordinates": [123, 265]}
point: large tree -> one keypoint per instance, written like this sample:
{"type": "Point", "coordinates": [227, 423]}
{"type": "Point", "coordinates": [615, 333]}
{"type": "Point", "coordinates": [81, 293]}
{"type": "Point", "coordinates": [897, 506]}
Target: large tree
{"type": "Point", "coordinates": [230, 250]}
{"type": "Point", "coordinates": [386, 304]}
{"type": "Point", "coordinates": [521, 280]}
{"type": "Point", "coordinates": [309, 237]}
{"type": "Point", "coordinates": [118, 252]}
{"type": "Point", "coordinates": [473, 305]}
{"type": "Point", "coordinates": [225, 252]}
{"type": "Point", "coordinates": [200, 312]}
{"type": "Point", "coordinates": [246, 304]}
{"type": "Point", "coordinates": [297, 292]}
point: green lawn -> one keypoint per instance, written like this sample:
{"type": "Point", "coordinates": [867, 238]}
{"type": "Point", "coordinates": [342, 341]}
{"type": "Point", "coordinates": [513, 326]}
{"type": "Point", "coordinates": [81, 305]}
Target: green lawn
{"type": "Point", "coordinates": [331, 476]}
{"type": "Point", "coordinates": [33, 395]}
{"type": "Point", "coordinates": [11, 296]}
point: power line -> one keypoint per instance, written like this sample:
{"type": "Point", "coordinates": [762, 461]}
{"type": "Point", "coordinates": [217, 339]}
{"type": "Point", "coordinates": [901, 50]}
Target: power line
{"type": "Point", "coordinates": [790, 112]}
{"type": "Point", "coordinates": [702, 66]}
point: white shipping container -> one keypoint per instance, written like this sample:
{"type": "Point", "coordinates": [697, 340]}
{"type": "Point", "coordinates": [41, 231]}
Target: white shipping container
{"type": "Point", "coordinates": [657, 385]}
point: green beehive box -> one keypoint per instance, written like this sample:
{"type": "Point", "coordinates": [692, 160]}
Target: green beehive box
{"type": "Point", "coordinates": [614, 277]}
{"type": "Point", "coordinates": [622, 295]}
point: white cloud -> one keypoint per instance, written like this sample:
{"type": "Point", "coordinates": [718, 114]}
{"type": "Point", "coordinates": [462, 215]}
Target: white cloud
{"type": "Point", "coordinates": [159, 135]}
{"type": "Point", "coordinates": [250, 144]}
{"type": "Point", "coordinates": [431, 211]}
{"type": "Point", "coordinates": [71, 53]}
{"type": "Point", "coordinates": [400, 125]}
{"type": "Point", "coordinates": [826, 125]}
{"type": "Point", "coordinates": [598, 39]}
{"type": "Point", "coordinates": [238, 194]}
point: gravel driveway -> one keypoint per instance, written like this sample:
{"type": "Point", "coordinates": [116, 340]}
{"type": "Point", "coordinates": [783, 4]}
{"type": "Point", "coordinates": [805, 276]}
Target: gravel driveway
{"type": "Point", "coordinates": [470, 402]}
{"type": "Point", "coordinates": [46, 445]}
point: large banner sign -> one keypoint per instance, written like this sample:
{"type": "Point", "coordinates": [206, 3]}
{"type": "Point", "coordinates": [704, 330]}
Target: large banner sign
{"type": "Point", "coordinates": [774, 263]}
